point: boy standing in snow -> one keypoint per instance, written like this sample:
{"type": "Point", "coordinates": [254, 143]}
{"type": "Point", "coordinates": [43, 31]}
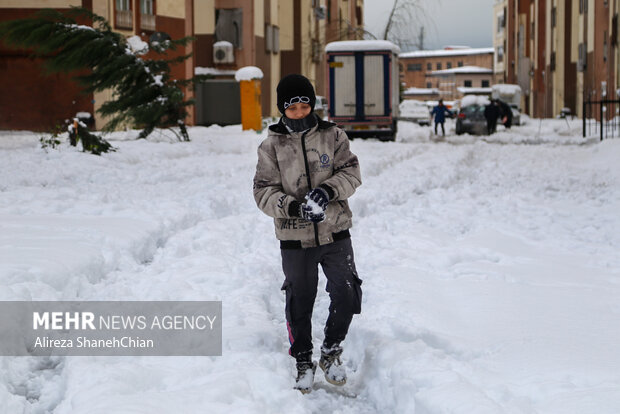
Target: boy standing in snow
{"type": "Point", "coordinates": [304, 176]}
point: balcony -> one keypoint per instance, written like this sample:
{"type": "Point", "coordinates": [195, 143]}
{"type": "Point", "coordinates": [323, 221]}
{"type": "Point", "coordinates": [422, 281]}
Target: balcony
{"type": "Point", "coordinates": [147, 22]}
{"type": "Point", "coordinates": [124, 19]}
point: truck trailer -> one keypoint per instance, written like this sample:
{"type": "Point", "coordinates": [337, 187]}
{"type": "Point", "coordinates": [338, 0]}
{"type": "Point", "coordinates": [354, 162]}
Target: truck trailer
{"type": "Point", "coordinates": [363, 87]}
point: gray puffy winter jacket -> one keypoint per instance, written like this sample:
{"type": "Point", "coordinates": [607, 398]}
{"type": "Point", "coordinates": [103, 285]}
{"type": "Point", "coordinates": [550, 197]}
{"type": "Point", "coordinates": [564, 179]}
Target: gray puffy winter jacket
{"type": "Point", "coordinates": [289, 165]}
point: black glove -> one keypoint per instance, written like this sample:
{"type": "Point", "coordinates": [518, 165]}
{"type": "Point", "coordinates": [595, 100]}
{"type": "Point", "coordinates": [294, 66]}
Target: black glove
{"type": "Point", "coordinates": [308, 213]}
{"type": "Point", "coordinates": [319, 196]}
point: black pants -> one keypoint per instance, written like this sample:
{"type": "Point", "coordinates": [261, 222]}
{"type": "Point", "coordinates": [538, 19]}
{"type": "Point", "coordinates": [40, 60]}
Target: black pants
{"type": "Point", "coordinates": [443, 131]}
{"type": "Point", "coordinates": [491, 126]}
{"type": "Point", "coordinates": [301, 279]}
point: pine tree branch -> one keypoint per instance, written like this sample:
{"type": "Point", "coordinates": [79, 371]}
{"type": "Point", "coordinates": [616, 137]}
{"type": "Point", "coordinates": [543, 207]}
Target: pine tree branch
{"type": "Point", "coordinates": [143, 92]}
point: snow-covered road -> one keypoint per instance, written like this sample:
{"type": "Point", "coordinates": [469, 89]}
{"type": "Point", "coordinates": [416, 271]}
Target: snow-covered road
{"type": "Point", "coordinates": [491, 273]}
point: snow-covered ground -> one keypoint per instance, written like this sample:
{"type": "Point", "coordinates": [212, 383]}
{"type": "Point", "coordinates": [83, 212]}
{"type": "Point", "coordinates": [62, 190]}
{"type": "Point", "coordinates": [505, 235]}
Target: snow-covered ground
{"type": "Point", "coordinates": [491, 271]}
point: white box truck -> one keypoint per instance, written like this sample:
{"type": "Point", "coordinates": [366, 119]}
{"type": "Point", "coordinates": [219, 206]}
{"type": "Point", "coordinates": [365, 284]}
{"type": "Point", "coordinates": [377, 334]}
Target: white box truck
{"type": "Point", "coordinates": [363, 87]}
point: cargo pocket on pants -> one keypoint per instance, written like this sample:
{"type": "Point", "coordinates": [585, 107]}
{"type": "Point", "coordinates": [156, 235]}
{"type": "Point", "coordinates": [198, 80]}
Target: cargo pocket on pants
{"type": "Point", "coordinates": [357, 303]}
{"type": "Point", "coordinates": [286, 287]}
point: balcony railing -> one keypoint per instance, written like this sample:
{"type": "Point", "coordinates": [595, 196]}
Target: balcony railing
{"type": "Point", "coordinates": [124, 19]}
{"type": "Point", "coordinates": [147, 22]}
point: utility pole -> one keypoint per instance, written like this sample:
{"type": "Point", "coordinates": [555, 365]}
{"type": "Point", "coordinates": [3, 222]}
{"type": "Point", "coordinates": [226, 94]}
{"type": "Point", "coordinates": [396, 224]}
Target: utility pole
{"type": "Point", "coordinates": [421, 39]}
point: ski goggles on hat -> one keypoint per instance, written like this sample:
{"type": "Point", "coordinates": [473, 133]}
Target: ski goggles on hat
{"type": "Point", "coordinates": [297, 99]}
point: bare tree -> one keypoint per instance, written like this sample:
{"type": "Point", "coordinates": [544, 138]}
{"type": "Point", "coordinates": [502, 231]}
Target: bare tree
{"type": "Point", "coordinates": [406, 23]}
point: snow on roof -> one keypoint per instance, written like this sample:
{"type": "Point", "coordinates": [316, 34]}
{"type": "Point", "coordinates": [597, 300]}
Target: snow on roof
{"type": "Point", "coordinates": [474, 100]}
{"type": "Point", "coordinates": [248, 73]}
{"type": "Point", "coordinates": [421, 91]}
{"type": "Point", "coordinates": [198, 70]}
{"type": "Point", "coordinates": [411, 103]}
{"type": "Point", "coordinates": [507, 89]}
{"type": "Point", "coordinates": [462, 69]}
{"type": "Point", "coordinates": [444, 52]}
{"type": "Point", "coordinates": [223, 43]}
{"type": "Point", "coordinates": [476, 91]}
{"type": "Point", "coordinates": [361, 45]}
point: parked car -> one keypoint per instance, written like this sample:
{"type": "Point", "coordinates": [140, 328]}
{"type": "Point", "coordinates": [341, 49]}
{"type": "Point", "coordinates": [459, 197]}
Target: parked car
{"type": "Point", "coordinates": [470, 118]}
{"type": "Point", "coordinates": [516, 114]}
{"type": "Point", "coordinates": [321, 106]}
{"type": "Point", "coordinates": [414, 111]}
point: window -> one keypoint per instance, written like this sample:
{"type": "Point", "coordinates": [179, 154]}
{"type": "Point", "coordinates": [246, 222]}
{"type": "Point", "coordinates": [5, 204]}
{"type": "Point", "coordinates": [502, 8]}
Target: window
{"type": "Point", "coordinates": [552, 61]}
{"type": "Point", "coordinates": [414, 67]}
{"type": "Point", "coordinates": [147, 7]}
{"type": "Point", "coordinates": [583, 6]}
{"type": "Point", "coordinates": [449, 65]}
{"type": "Point", "coordinates": [500, 54]}
{"type": "Point", "coordinates": [123, 4]}
{"type": "Point", "coordinates": [467, 83]}
{"type": "Point", "coordinates": [484, 83]}
{"type": "Point", "coordinates": [123, 16]}
{"type": "Point", "coordinates": [147, 15]}
{"type": "Point", "coordinates": [501, 23]}
{"type": "Point", "coordinates": [459, 64]}
{"type": "Point", "coordinates": [229, 26]}
{"type": "Point", "coordinates": [317, 53]}
{"type": "Point", "coordinates": [429, 66]}
{"type": "Point", "coordinates": [329, 11]}
{"type": "Point", "coordinates": [268, 38]}
{"type": "Point", "coordinates": [272, 41]}
{"type": "Point", "coordinates": [554, 14]}
{"type": "Point", "coordinates": [581, 63]}
{"type": "Point", "coordinates": [438, 65]}
{"type": "Point", "coordinates": [429, 85]}
{"type": "Point", "coordinates": [605, 46]}
{"type": "Point", "coordinates": [276, 39]}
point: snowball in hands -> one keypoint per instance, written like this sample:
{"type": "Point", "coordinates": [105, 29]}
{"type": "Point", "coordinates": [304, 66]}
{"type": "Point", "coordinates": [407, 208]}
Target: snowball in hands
{"type": "Point", "coordinates": [311, 211]}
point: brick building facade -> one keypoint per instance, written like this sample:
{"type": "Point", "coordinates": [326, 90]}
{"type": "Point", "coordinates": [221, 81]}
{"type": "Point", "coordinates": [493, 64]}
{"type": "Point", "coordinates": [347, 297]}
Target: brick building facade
{"type": "Point", "coordinates": [278, 36]}
{"type": "Point", "coordinates": [561, 52]}
{"type": "Point", "coordinates": [447, 70]}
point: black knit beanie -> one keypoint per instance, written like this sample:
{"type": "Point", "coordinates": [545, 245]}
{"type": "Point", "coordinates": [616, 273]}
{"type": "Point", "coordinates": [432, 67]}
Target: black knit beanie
{"type": "Point", "coordinates": [293, 89]}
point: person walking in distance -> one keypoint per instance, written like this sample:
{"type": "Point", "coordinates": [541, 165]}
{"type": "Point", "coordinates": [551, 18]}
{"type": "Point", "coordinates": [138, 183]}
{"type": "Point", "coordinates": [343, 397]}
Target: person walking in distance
{"type": "Point", "coordinates": [491, 113]}
{"type": "Point", "coordinates": [439, 113]}
{"type": "Point", "coordinates": [505, 113]}
{"type": "Point", "coordinates": [304, 176]}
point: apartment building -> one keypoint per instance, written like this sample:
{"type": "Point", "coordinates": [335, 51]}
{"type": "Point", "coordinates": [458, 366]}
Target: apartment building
{"type": "Point", "coordinates": [445, 72]}
{"type": "Point", "coordinates": [499, 39]}
{"type": "Point", "coordinates": [562, 53]}
{"type": "Point", "coordinates": [278, 36]}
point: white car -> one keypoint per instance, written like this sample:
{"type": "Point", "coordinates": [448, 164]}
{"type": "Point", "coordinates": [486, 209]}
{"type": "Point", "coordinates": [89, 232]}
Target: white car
{"type": "Point", "coordinates": [320, 107]}
{"type": "Point", "coordinates": [516, 115]}
{"type": "Point", "coordinates": [414, 111]}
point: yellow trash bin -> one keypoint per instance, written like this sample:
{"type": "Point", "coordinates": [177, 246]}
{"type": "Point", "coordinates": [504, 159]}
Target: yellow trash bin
{"type": "Point", "coordinates": [249, 79]}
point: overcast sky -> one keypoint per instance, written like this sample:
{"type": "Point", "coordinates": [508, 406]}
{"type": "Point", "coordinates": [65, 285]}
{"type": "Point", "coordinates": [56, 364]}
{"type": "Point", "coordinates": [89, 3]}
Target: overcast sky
{"type": "Point", "coordinates": [451, 22]}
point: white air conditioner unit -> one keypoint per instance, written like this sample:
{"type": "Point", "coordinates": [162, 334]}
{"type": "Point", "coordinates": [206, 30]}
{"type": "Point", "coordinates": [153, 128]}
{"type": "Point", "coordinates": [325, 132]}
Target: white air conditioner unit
{"type": "Point", "coordinates": [223, 52]}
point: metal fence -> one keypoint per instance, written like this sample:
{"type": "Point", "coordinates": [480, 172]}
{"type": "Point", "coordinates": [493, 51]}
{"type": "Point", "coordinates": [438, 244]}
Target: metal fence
{"type": "Point", "coordinates": [601, 118]}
